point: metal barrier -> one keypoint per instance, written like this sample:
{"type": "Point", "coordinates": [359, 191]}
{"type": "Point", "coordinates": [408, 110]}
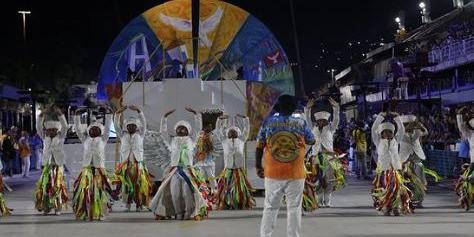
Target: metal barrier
{"type": "Point", "coordinates": [452, 51]}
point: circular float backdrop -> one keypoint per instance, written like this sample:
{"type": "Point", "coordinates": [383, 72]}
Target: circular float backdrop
{"type": "Point", "coordinates": [231, 42]}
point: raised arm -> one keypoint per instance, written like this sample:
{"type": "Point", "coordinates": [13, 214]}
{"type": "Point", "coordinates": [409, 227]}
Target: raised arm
{"type": "Point", "coordinates": [77, 126]}
{"type": "Point", "coordinates": [108, 122]}
{"type": "Point", "coordinates": [221, 126]}
{"type": "Point", "coordinates": [307, 113]}
{"type": "Point", "coordinates": [335, 117]}
{"type": "Point", "coordinates": [64, 126]}
{"type": "Point", "coordinates": [244, 125]}
{"type": "Point", "coordinates": [400, 129]}
{"type": "Point", "coordinates": [465, 132]}
{"type": "Point", "coordinates": [40, 126]}
{"type": "Point", "coordinates": [117, 120]}
{"type": "Point", "coordinates": [164, 127]}
{"type": "Point", "coordinates": [375, 126]}
{"type": "Point", "coordinates": [198, 124]}
{"type": "Point", "coordinates": [423, 130]}
{"type": "Point", "coordinates": [141, 117]}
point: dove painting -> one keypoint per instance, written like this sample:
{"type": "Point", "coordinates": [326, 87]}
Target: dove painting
{"type": "Point", "coordinates": [205, 27]}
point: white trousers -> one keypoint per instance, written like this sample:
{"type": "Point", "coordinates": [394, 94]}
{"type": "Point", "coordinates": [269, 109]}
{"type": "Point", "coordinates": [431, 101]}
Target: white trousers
{"type": "Point", "coordinates": [274, 192]}
{"type": "Point", "coordinates": [26, 166]}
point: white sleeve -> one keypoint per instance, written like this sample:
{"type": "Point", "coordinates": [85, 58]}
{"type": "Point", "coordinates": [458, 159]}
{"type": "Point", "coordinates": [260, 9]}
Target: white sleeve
{"type": "Point", "coordinates": [141, 117]}
{"type": "Point", "coordinates": [400, 129]}
{"type": "Point", "coordinates": [307, 115]}
{"type": "Point", "coordinates": [197, 124]}
{"type": "Point", "coordinates": [221, 126]}
{"type": "Point", "coordinates": [108, 123]}
{"type": "Point", "coordinates": [77, 126]}
{"type": "Point", "coordinates": [245, 128]}
{"type": "Point", "coordinates": [465, 132]}
{"type": "Point", "coordinates": [335, 118]}
{"type": "Point", "coordinates": [64, 126]}
{"type": "Point", "coordinates": [375, 126]}
{"type": "Point", "coordinates": [164, 130]}
{"type": "Point", "coordinates": [39, 126]}
{"type": "Point", "coordinates": [118, 128]}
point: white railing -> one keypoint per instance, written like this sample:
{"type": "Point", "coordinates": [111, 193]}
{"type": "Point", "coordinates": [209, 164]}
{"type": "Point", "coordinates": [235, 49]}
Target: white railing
{"type": "Point", "coordinates": [452, 51]}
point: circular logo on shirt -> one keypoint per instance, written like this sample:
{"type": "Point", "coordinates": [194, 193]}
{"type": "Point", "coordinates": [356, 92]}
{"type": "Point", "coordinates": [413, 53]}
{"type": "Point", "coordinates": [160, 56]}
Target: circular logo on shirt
{"type": "Point", "coordinates": [284, 146]}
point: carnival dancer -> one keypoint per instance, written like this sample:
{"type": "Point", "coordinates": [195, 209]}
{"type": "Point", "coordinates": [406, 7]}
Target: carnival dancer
{"type": "Point", "coordinates": [51, 192]}
{"type": "Point", "coordinates": [204, 160]}
{"type": "Point", "coordinates": [234, 189]}
{"type": "Point", "coordinates": [92, 189]}
{"type": "Point", "coordinates": [179, 195]}
{"type": "Point", "coordinates": [134, 181]}
{"type": "Point", "coordinates": [412, 155]}
{"type": "Point", "coordinates": [4, 210]}
{"type": "Point", "coordinates": [331, 172]}
{"type": "Point", "coordinates": [390, 193]}
{"type": "Point", "coordinates": [465, 185]}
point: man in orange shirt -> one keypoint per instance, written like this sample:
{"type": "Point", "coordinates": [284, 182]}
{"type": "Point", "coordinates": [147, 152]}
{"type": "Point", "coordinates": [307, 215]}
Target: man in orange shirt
{"type": "Point", "coordinates": [281, 142]}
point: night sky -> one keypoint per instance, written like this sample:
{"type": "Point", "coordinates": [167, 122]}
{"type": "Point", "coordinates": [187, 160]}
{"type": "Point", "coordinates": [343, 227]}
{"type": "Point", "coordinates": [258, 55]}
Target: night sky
{"type": "Point", "coordinates": [72, 36]}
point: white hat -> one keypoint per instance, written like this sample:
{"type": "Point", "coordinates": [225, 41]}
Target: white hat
{"type": "Point", "coordinates": [133, 120]}
{"type": "Point", "coordinates": [386, 126]}
{"type": "Point", "coordinates": [184, 124]}
{"type": "Point", "coordinates": [235, 129]}
{"type": "Point", "coordinates": [52, 124]}
{"type": "Point", "coordinates": [322, 115]}
{"type": "Point", "coordinates": [96, 124]}
{"type": "Point", "coordinates": [408, 118]}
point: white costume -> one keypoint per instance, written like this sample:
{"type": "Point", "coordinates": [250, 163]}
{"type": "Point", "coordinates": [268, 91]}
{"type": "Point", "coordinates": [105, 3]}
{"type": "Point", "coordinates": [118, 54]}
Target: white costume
{"type": "Point", "coordinates": [92, 189]}
{"type": "Point", "coordinates": [53, 151]}
{"type": "Point", "coordinates": [52, 175]}
{"type": "Point", "coordinates": [179, 193]}
{"type": "Point", "coordinates": [390, 193]}
{"type": "Point", "coordinates": [323, 151]}
{"type": "Point", "coordinates": [234, 157]}
{"type": "Point", "coordinates": [387, 150]}
{"type": "Point", "coordinates": [410, 143]}
{"type": "Point", "coordinates": [131, 146]}
{"type": "Point", "coordinates": [234, 189]}
{"type": "Point", "coordinates": [134, 181]}
{"type": "Point", "coordinates": [411, 154]}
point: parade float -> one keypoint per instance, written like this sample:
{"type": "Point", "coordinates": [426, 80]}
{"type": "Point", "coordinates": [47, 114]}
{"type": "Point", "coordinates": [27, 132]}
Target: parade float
{"type": "Point", "coordinates": [234, 63]}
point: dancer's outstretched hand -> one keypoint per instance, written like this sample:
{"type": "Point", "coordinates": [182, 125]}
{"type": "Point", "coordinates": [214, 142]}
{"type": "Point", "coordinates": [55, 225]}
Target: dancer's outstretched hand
{"type": "Point", "coordinates": [394, 114]}
{"type": "Point", "coordinates": [57, 110]}
{"type": "Point", "coordinates": [310, 103]}
{"type": "Point", "coordinates": [191, 110]}
{"type": "Point", "coordinates": [121, 110]}
{"type": "Point", "coordinates": [333, 102]}
{"type": "Point", "coordinates": [134, 108]}
{"type": "Point", "coordinates": [462, 110]}
{"type": "Point", "coordinates": [80, 111]}
{"type": "Point", "coordinates": [169, 112]}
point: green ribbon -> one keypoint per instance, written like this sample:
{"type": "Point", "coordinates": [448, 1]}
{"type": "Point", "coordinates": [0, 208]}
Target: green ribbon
{"type": "Point", "coordinates": [183, 156]}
